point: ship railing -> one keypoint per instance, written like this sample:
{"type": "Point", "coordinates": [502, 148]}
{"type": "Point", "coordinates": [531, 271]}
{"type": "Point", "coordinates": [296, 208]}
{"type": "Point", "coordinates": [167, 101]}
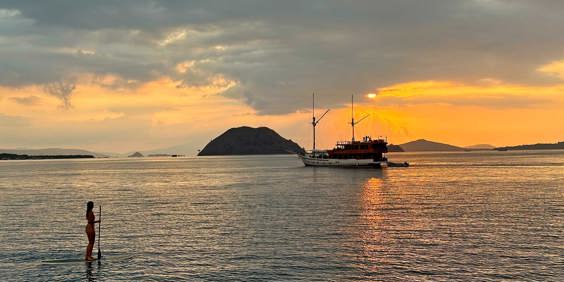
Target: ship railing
{"type": "Point", "coordinates": [318, 154]}
{"type": "Point", "coordinates": [342, 143]}
{"type": "Point", "coordinates": [316, 151]}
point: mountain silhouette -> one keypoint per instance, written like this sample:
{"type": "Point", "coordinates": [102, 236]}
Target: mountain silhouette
{"type": "Point", "coordinates": [52, 152]}
{"type": "Point", "coordinates": [538, 146]}
{"type": "Point", "coordinates": [136, 155]}
{"type": "Point", "coordinates": [479, 147]}
{"type": "Point", "coordinates": [423, 145]}
{"type": "Point", "coordinates": [250, 141]}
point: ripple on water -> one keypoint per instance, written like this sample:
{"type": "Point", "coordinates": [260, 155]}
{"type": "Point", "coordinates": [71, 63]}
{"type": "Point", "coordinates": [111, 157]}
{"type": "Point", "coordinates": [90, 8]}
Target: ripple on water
{"type": "Point", "coordinates": [462, 216]}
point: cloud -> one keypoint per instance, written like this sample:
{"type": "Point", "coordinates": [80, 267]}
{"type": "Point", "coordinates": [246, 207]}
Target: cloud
{"type": "Point", "coordinates": [173, 37]}
{"type": "Point", "coordinates": [275, 53]}
{"type": "Point", "coordinates": [555, 69]}
{"type": "Point", "coordinates": [26, 100]}
{"type": "Point", "coordinates": [62, 90]}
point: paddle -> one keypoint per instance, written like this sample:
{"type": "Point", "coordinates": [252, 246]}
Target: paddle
{"type": "Point", "coordinates": [99, 234]}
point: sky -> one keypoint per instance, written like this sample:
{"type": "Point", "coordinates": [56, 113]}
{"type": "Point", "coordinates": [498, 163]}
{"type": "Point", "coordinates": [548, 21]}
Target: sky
{"type": "Point", "coordinates": [121, 76]}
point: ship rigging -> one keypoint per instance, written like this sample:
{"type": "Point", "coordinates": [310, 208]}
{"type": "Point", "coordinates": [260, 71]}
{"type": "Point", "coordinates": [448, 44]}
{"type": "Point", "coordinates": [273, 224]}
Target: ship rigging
{"type": "Point", "coordinates": [365, 153]}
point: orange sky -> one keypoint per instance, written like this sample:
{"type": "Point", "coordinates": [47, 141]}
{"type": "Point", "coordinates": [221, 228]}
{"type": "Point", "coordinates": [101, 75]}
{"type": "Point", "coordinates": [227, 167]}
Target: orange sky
{"type": "Point", "coordinates": [159, 114]}
{"type": "Point", "coordinates": [156, 74]}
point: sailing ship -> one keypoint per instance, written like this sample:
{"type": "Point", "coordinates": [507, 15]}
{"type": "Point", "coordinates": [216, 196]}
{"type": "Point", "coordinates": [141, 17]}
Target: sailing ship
{"type": "Point", "coordinates": [365, 153]}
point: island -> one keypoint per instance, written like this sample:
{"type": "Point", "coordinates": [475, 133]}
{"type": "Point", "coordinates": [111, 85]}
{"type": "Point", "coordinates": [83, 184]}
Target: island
{"type": "Point", "coordinates": [479, 147]}
{"type": "Point", "coordinates": [394, 148]}
{"type": "Point", "coordinates": [52, 152]}
{"type": "Point", "coordinates": [7, 156]}
{"type": "Point", "coordinates": [539, 146]}
{"type": "Point", "coordinates": [166, 155]}
{"type": "Point", "coordinates": [136, 155]}
{"type": "Point", "coordinates": [158, 155]}
{"type": "Point", "coordinates": [423, 145]}
{"type": "Point", "coordinates": [246, 140]}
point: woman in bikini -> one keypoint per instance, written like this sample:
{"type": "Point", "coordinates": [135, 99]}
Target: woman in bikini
{"type": "Point", "coordinates": [90, 230]}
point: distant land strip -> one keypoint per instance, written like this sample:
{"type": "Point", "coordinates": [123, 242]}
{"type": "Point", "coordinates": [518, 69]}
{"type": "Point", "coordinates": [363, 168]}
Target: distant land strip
{"type": "Point", "coordinates": [539, 146]}
{"type": "Point", "coordinates": [4, 156]}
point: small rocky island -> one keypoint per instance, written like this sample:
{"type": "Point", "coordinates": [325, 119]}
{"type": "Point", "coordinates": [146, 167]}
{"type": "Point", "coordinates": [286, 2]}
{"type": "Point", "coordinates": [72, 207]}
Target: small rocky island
{"type": "Point", "coordinates": [250, 141]}
{"type": "Point", "coordinates": [136, 155]}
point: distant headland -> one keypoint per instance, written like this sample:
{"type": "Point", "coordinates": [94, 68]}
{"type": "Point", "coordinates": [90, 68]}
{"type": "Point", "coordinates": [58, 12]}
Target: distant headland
{"type": "Point", "coordinates": [423, 145]}
{"type": "Point", "coordinates": [5, 156]}
{"type": "Point", "coordinates": [48, 152]}
{"type": "Point", "coordinates": [246, 140]}
{"type": "Point", "coordinates": [538, 146]}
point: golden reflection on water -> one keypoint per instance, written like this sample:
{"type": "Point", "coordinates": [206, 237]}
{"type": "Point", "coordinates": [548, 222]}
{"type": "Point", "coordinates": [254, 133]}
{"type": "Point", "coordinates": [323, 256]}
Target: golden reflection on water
{"type": "Point", "coordinates": [464, 216]}
{"type": "Point", "coordinates": [372, 199]}
{"type": "Point", "coordinates": [371, 220]}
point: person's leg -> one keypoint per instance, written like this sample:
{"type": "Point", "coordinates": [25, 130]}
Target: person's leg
{"type": "Point", "coordinates": [92, 243]}
{"type": "Point", "coordinates": [89, 250]}
{"type": "Point", "coordinates": [90, 246]}
{"type": "Point", "coordinates": [87, 246]}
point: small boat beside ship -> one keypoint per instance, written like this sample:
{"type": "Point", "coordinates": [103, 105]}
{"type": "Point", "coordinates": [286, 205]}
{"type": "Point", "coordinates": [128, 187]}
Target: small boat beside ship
{"type": "Point", "coordinates": [365, 153]}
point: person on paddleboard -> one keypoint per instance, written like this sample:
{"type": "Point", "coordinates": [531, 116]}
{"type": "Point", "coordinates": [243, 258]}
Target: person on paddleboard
{"type": "Point", "coordinates": [90, 230]}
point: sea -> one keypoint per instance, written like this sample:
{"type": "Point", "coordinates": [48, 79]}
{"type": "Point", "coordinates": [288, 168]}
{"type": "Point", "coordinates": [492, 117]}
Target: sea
{"type": "Point", "coordinates": [464, 216]}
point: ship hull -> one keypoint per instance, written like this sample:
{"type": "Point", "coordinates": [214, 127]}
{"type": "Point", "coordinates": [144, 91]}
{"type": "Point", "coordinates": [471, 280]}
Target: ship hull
{"type": "Point", "coordinates": [328, 162]}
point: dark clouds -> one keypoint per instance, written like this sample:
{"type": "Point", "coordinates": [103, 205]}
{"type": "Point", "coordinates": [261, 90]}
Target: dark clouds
{"type": "Point", "coordinates": [62, 90]}
{"type": "Point", "coordinates": [281, 51]}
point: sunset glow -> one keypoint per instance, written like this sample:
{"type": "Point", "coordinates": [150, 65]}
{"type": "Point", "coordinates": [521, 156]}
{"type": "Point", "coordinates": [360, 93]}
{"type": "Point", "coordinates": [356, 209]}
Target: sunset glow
{"type": "Point", "coordinates": [273, 140]}
{"type": "Point", "coordinates": [135, 87]}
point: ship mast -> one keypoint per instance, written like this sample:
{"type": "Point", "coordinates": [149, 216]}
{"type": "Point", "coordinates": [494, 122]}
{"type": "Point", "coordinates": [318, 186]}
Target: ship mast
{"type": "Point", "coordinates": [353, 123]}
{"type": "Point", "coordinates": [352, 116]}
{"type": "Point", "coordinates": [314, 122]}
{"type": "Point", "coordinates": [313, 118]}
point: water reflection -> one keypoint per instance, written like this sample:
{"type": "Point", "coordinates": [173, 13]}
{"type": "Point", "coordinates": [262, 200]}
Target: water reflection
{"type": "Point", "coordinates": [356, 176]}
{"type": "Point", "coordinates": [90, 275]}
{"type": "Point", "coordinates": [372, 199]}
{"type": "Point", "coordinates": [272, 219]}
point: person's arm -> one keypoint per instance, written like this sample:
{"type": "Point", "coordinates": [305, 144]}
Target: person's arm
{"type": "Point", "coordinates": [92, 219]}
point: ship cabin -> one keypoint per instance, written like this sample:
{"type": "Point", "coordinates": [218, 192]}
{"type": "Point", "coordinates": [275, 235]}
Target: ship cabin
{"type": "Point", "coordinates": [365, 149]}
{"type": "Point", "coordinates": [319, 154]}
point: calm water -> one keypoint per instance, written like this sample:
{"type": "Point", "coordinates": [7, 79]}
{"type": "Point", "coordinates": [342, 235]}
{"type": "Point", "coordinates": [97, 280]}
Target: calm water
{"type": "Point", "coordinates": [451, 216]}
